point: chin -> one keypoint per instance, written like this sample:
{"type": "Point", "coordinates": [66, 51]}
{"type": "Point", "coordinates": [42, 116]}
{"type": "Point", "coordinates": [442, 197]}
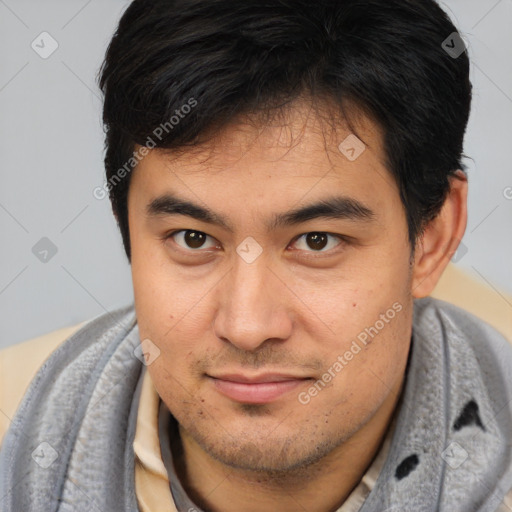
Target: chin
{"type": "Point", "coordinates": [261, 451]}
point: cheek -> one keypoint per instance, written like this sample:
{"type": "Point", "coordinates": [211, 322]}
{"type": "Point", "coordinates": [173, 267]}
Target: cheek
{"type": "Point", "coordinates": [356, 311]}
{"type": "Point", "coordinates": [367, 346]}
{"type": "Point", "coordinates": [364, 374]}
{"type": "Point", "coordinates": [173, 313]}
{"type": "Point", "coordinates": [162, 296]}
{"type": "Point", "coordinates": [385, 346]}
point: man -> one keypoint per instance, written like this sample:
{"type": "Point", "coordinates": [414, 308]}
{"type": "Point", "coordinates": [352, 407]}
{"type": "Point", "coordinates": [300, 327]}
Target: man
{"type": "Point", "coordinates": [288, 183]}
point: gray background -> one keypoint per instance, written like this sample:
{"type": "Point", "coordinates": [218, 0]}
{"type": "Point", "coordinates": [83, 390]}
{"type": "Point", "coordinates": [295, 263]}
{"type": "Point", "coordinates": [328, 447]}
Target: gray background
{"type": "Point", "coordinates": [52, 158]}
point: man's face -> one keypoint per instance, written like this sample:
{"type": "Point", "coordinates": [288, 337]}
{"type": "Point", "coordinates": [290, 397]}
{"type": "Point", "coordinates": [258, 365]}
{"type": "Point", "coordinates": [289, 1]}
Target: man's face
{"type": "Point", "coordinates": [278, 340]}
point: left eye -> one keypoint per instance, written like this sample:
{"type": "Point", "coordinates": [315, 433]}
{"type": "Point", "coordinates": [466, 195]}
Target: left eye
{"type": "Point", "coordinates": [316, 240]}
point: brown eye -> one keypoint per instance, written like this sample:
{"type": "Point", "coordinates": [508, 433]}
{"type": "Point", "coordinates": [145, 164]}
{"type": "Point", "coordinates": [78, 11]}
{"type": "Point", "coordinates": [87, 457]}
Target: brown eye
{"type": "Point", "coordinates": [316, 241]}
{"type": "Point", "coordinates": [194, 239]}
{"type": "Point", "coordinates": [191, 239]}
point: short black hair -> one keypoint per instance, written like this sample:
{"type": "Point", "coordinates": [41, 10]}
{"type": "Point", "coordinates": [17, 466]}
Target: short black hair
{"type": "Point", "coordinates": [175, 69]}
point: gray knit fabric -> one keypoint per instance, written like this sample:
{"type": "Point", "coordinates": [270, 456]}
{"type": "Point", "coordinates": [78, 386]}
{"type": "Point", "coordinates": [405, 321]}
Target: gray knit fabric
{"type": "Point", "coordinates": [83, 402]}
{"type": "Point", "coordinates": [450, 451]}
{"type": "Point", "coordinates": [455, 424]}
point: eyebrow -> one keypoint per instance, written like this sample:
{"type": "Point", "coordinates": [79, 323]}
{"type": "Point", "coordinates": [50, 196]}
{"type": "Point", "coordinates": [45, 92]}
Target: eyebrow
{"type": "Point", "coordinates": [336, 207]}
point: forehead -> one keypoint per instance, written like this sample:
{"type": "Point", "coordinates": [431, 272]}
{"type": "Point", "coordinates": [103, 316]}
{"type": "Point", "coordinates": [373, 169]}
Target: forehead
{"type": "Point", "coordinates": [300, 147]}
{"type": "Point", "coordinates": [301, 126]}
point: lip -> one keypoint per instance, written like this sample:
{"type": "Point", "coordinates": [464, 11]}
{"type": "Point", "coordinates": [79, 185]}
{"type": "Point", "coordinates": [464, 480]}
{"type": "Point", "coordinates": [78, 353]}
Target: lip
{"type": "Point", "coordinates": [256, 389]}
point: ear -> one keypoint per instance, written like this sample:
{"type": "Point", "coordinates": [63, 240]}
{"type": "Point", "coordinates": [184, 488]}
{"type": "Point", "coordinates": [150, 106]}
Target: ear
{"type": "Point", "coordinates": [440, 239]}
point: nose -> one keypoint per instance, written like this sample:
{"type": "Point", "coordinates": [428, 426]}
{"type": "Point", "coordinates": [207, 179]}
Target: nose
{"type": "Point", "coordinates": [253, 306]}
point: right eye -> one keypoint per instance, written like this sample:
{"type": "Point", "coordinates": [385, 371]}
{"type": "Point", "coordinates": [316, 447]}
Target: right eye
{"type": "Point", "coordinates": [189, 239]}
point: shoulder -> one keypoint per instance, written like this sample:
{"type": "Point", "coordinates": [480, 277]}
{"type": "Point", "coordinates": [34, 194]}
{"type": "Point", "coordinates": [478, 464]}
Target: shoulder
{"type": "Point", "coordinates": [19, 364]}
{"type": "Point", "coordinates": [486, 302]}
{"type": "Point", "coordinates": [433, 313]}
{"type": "Point", "coordinates": [466, 337]}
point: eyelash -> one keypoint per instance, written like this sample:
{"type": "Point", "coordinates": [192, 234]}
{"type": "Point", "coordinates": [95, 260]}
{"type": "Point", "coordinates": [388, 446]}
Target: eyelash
{"type": "Point", "coordinates": [313, 254]}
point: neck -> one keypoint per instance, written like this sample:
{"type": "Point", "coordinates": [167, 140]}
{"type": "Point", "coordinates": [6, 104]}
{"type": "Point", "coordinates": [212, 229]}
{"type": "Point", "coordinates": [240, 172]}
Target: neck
{"type": "Point", "coordinates": [216, 487]}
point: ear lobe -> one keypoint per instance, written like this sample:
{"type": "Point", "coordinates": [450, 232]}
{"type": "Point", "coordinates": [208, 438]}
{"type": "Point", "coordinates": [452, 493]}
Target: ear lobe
{"type": "Point", "coordinates": [440, 239]}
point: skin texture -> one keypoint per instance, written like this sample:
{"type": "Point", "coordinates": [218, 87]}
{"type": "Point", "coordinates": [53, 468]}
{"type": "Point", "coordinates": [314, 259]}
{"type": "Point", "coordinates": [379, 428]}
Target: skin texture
{"type": "Point", "coordinates": [292, 310]}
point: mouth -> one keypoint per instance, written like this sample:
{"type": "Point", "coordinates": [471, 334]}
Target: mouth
{"type": "Point", "coordinates": [256, 389]}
